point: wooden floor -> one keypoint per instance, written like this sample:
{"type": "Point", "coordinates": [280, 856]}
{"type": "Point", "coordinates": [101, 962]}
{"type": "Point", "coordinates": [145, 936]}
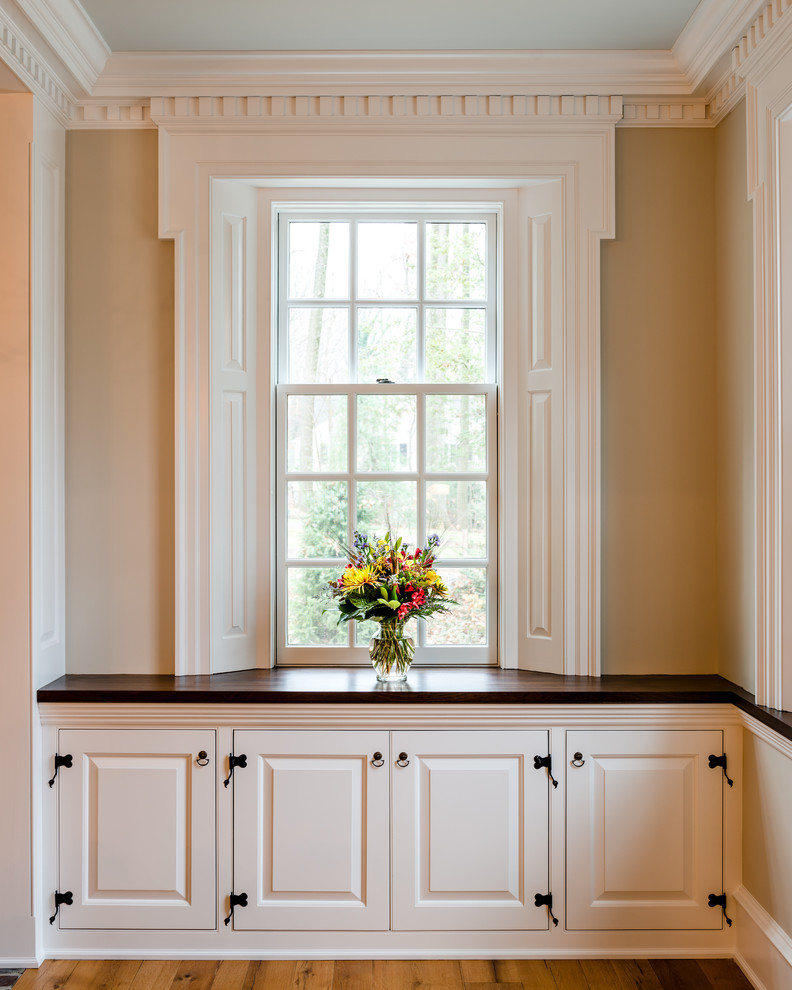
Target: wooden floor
{"type": "Point", "coordinates": [503, 974]}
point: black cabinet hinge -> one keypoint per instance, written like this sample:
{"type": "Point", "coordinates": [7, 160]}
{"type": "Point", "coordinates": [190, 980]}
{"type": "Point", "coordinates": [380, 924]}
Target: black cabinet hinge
{"type": "Point", "coordinates": [234, 761]}
{"type": "Point", "coordinates": [720, 761]}
{"type": "Point", "coordinates": [719, 900]}
{"type": "Point", "coordinates": [545, 761]}
{"type": "Point", "coordinates": [61, 761]}
{"type": "Point", "coordinates": [546, 900]}
{"type": "Point", "coordinates": [236, 900]}
{"type": "Point", "coordinates": [61, 898]}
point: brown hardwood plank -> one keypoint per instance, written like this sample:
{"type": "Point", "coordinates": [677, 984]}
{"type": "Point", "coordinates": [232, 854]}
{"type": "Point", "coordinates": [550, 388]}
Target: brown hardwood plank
{"type": "Point", "coordinates": [232, 974]}
{"type": "Point", "coordinates": [599, 974]}
{"type": "Point", "coordinates": [393, 973]}
{"type": "Point", "coordinates": [680, 974]}
{"type": "Point", "coordinates": [436, 972]}
{"type": "Point", "coordinates": [494, 986]}
{"type": "Point", "coordinates": [567, 973]}
{"type": "Point", "coordinates": [314, 974]}
{"type": "Point", "coordinates": [635, 974]}
{"type": "Point", "coordinates": [52, 974]}
{"type": "Point", "coordinates": [195, 974]}
{"type": "Point", "coordinates": [353, 974]}
{"type": "Point", "coordinates": [125, 974]}
{"type": "Point", "coordinates": [155, 974]}
{"type": "Point", "coordinates": [477, 971]}
{"type": "Point", "coordinates": [93, 974]}
{"type": "Point", "coordinates": [275, 974]}
{"type": "Point", "coordinates": [724, 974]}
{"type": "Point", "coordinates": [533, 973]}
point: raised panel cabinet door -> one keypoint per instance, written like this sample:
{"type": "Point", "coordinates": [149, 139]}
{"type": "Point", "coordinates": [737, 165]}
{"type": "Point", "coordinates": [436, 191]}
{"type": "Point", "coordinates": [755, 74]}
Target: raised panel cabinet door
{"type": "Point", "coordinates": [470, 830]}
{"type": "Point", "coordinates": [137, 828]}
{"type": "Point", "coordinates": [644, 829]}
{"type": "Point", "coordinates": [311, 830]}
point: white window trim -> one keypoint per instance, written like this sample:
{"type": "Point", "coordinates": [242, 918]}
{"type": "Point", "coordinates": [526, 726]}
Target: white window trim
{"type": "Point", "coordinates": [574, 152]}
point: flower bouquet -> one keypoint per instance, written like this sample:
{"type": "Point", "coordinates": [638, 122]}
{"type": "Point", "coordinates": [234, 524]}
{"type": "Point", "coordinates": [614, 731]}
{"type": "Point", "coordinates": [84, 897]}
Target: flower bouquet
{"type": "Point", "coordinates": [388, 583]}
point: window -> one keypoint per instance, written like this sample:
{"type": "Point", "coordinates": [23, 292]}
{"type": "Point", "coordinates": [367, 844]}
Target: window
{"type": "Point", "coordinates": [386, 415]}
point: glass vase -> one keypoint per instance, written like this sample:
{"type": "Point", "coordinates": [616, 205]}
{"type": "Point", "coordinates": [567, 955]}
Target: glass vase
{"type": "Point", "coordinates": [391, 652]}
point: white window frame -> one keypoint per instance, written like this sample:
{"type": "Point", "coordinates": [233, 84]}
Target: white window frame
{"type": "Point", "coordinates": [554, 159]}
{"type": "Point", "coordinates": [355, 652]}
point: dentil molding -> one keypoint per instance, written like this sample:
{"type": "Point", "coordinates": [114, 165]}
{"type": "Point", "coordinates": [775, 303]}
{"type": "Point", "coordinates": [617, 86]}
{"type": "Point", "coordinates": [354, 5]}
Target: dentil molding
{"type": "Point", "coordinates": [21, 56]}
{"type": "Point", "coordinates": [254, 110]}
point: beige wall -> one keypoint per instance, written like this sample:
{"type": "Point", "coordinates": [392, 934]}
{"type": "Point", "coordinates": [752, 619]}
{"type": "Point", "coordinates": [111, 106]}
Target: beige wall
{"type": "Point", "coordinates": [659, 470]}
{"type": "Point", "coordinates": [735, 420]}
{"type": "Point", "coordinates": [674, 395]}
{"type": "Point", "coordinates": [767, 812]}
{"type": "Point", "coordinates": [16, 921]}
{"type": "Point", "coordinates": [119, 409]}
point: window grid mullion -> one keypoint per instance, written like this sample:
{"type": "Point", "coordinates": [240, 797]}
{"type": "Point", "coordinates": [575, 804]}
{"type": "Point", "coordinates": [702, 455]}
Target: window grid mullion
{"type": "Point", "coordinates": [420, 477]}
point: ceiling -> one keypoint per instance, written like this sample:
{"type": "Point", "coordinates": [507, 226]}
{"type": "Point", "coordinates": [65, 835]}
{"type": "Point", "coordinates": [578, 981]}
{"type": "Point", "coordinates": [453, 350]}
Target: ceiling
{"type": "Point", "coordinates": [365, 25]}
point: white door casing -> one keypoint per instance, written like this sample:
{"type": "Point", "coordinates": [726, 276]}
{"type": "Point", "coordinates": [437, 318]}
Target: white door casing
{"type": "Point", "coordinates": [311, 830]}
{"type": "Point", "coordinates": [470, 830]}
{"type": "Point", "coordinates": [137, 829]}
{"type": "Point", "coordinates": [644, 829]}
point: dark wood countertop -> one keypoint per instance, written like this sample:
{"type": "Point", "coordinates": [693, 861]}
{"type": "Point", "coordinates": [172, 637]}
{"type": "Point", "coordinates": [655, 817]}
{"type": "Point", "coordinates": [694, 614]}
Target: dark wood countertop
{"type": "Point", "coordinates": [443, 685]}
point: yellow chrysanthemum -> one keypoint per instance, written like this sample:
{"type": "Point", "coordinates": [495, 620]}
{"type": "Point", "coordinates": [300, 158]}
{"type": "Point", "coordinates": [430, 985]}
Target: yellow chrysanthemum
{"type": "Point", "coordinates": [356, 577]}
{"type": "Point", "coordinates": [432, 577]}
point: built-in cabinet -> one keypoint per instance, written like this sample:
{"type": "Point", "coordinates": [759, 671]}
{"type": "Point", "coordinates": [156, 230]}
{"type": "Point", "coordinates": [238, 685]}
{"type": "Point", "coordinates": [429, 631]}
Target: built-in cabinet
{"type": "Point", "coordinates": [397, 831]}
{"type": "Point", "coordinates": [470, 843]}
{"type": "Point", "coordinates": [643, 829]}
{"type": "Point", "coordinates": [136, 835]}
{"type": "Point", "coordinates": [312, 830]}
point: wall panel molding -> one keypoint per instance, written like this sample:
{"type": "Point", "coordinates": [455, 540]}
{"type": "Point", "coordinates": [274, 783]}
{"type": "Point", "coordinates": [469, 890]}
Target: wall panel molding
{"type": "Point", "coordinates": [764, 60]}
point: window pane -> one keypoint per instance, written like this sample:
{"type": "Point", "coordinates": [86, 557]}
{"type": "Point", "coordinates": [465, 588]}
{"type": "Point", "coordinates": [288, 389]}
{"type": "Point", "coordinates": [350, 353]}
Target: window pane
{"type": "Point", "coordinates": [384, 506]}
{"type": "Point", "coordinates": [316, 433]}
{"type": "Point", "coordinates": [306, 625]}
{"type": "Point", "coordinates": [455, 347]}
{"type": "Point", "coordinates": [465, 623]}
{"type": "Point", "coordinates": [318, 260]}
{"type": "Point", "coordinates": [456, 439]}
{"type": "Point", "coordinates": [457, 512]}
{"type": "Point", "coordinates": [387, 344]}
{"type": "Point", "coordinates": [386, 433]}
{"type": "Point", "coordinates": [455, 260]}
{"type": "Point", "coordinates": [386, 260]}
{"type": "Point", "coordinates": [364, 631]}
{"type": "Point", "coordinates": [318, 345]}
{"type": "Point", "coordinates": [316, 518]}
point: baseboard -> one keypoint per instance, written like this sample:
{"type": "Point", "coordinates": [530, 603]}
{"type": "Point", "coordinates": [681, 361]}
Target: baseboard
{"type": "Point", "coordinates": [20, 962]}
{"type": "Point", "coordinates": [763, 950]}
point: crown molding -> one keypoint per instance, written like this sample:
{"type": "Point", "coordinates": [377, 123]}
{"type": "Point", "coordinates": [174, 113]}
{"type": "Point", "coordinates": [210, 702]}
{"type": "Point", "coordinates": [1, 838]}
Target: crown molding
{"type": "Point", "coordinates": [710, 34]}
{"type": "Point", "coordinates": [576, 73]}
{"type": "Point", "coordinates": [119, 114]}
{"type": "Point", "coordinates": [666, 113]}
{"type": "Point", "coordinates": [766, 40]}
{"type": "Point", "coordinates": [245, 112]}
{"type": "Point", "coordinates": [72, 37]}
{"type": "Point", "coordinates": [725, 95]}
{"type": "Point", "coordinates": [21, 54]}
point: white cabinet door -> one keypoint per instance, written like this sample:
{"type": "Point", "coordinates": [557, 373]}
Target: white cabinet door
{"type": "Point", "coordinates": [644, 825]}
{"type": "Point", "coordinates": [311, 830]}
{"type": "Point", "coordinates": [470, 830]}
{"type": "Point", "coordinates": [137, 828]}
